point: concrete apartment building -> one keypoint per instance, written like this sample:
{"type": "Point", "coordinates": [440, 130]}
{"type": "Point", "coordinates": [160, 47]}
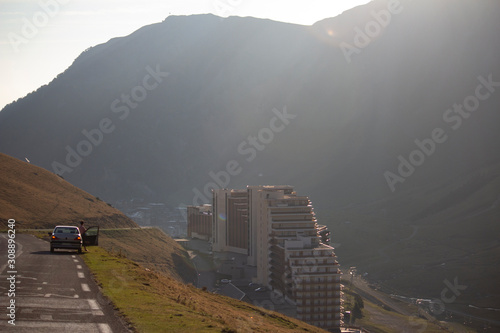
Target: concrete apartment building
{"type": "Point", "coordinates": [230, 221]}
{"type": "Point", "coordinates": [199, 222]}
{"type": "Point", "coordinates": [278, 231]}
{"type": "Point", "coordinates": [299, 266]}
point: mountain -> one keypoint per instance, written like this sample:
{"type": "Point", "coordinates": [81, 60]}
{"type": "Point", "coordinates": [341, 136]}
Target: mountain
{"type": "Point", "coordinates": [386, 116]}
{"type": "Point", "coordinates": [152, 114]}
{"type": "Point", "coordinates": [36, 198]}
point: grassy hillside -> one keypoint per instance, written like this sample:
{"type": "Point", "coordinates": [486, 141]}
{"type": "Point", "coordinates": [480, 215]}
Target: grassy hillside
{"type": "Point", "coordinates": [37, 198]}
{"type": "Point", "coordinates": [153, 302]}
{"type": "Point", "coordinates": [151, 248]}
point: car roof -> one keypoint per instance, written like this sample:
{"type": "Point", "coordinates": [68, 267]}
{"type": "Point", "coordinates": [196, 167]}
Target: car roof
{"type": "Point", "coordinates": [65, 226]}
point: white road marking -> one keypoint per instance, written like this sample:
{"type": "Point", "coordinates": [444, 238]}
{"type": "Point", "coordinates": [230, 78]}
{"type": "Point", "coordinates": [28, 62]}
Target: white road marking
{"type": "Point", "coordinates": [94, 306]}
{"type": "Point", "coordinates": [60, 296]}
{"type": "Point", "coordinates": [54, 303]}
{"type": "Point", "coordinates": [85, 287]}
{"type": "Point", "coordinates": [75, 260]}
{"type": "Point", "coordinates": [104, 328]}
{"type": "Point", "coordinates": [52, 326]}
{"type": "Point", "coordinates": [46, 317]}
{"type": "Point", "coordinates": [78, 266]}
{"type": "Point", "coordinates": [81, 275]}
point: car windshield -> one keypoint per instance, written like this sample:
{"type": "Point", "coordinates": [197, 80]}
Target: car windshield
{"type": "Point", "coordinates": [62, 230]}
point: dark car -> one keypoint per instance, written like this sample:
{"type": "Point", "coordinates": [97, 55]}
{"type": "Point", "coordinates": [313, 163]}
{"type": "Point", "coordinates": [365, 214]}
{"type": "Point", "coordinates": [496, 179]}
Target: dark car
{"type": "Point", "coordinates": [69, 237]}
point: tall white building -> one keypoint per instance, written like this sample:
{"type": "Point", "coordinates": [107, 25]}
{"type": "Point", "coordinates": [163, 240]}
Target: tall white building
{"type": "Point", "coordinates": [288, 248]}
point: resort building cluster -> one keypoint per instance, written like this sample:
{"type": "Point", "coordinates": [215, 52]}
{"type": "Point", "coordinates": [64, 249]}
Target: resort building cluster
{"type": "Point", "coordinates": [278, 232]}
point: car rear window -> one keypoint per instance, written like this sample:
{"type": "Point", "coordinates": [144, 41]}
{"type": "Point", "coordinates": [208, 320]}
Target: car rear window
{"type": "Point", "coordinates": [61, 230]}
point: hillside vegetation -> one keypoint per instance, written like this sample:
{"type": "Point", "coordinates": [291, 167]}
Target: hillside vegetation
{"type": "Point", "coordinates": [37, 198]}
{"type": "Point", "coordinates": [153, 302]}
{"type": "Point", "coordinates": [151, 248]}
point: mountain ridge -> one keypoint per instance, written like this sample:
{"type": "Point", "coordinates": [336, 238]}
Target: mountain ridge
{"type": "Point", "coordinates": [221, 106]}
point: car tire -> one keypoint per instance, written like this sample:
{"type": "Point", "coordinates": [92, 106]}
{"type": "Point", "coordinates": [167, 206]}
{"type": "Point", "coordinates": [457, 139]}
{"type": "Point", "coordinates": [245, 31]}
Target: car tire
{"type": "Point", "coordinates": [51, 249]}
{"type": "Point", "coordinates": [79, 250]}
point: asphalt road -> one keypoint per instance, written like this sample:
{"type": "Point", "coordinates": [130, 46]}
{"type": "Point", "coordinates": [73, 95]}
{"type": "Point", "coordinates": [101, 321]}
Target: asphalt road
{"type": "Point", "coordinates": [52, 292]}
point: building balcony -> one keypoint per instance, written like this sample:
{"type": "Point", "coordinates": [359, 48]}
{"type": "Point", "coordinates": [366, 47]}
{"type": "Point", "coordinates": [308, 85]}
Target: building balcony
{"type": "Point", "coordinates": [314, 311]}
{"type": "Point", "coordinates": [313, 296]}
{"type": "Point", "coordinates": [304, 274]}
{"type": "Point", "coordinates": [308, 291]}
{"type": "Point", "coordinates": [294, 263]}
{"type": "Point", "coordinates": [305, 289]}
{"type": "Point", "coordinates": [324, 294]}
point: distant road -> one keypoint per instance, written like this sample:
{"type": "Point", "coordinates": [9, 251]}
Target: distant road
{"type": "Point", "coordinates": [377, 297]}
{"type": "Point", "coordinates": [206, 277]}
{"type": "Point", "coordinates": [54, 292]}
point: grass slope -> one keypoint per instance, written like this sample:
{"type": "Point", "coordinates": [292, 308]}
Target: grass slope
{"type": "Point", "coordinates": [153, 302]}
{"type": "Point", "coordinates": [151, 248]}
{"type": "Point", "coordinates": [37, 198]}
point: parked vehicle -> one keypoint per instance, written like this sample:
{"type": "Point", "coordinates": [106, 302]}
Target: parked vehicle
{"type": "Point", "coordinates": [69, 237]}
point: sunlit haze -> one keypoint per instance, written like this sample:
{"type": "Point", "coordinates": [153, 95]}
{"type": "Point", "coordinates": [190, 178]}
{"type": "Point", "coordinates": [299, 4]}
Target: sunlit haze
{"type": "Point", "coordinates": [30, 58]}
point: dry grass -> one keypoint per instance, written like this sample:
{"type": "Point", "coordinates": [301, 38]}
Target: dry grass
{"type": "Point", "coordinates": [151, 248]}
{"type": "Point", "coordinates": [37, 198]}
{"type": "Point", "coordinates": [153, 302]}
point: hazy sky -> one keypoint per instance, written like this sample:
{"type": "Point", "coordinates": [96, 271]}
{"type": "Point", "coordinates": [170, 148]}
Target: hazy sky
{"type": "Point", "coordinates": [40, 38]}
